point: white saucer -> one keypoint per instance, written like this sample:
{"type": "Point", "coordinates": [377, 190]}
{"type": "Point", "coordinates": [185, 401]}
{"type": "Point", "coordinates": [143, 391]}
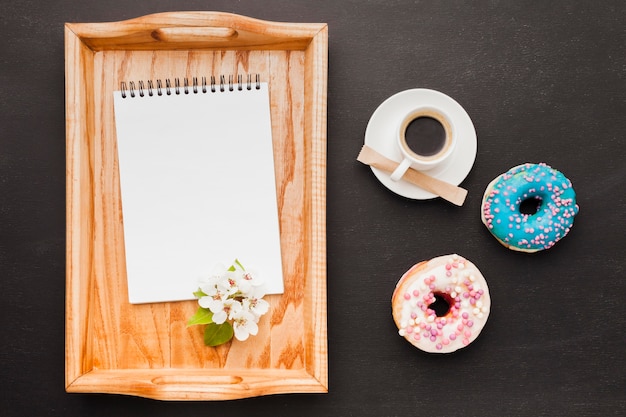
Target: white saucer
{"type": "Point", "coordinates": [381, 130]}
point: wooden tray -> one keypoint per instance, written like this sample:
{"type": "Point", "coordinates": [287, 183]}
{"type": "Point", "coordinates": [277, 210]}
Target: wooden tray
{"type": "Point", "coordinates": [147, 350]}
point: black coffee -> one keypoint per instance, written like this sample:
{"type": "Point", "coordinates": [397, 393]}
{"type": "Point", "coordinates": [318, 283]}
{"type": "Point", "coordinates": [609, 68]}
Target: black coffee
{"type": "Point", "coordinates": [425, 136]}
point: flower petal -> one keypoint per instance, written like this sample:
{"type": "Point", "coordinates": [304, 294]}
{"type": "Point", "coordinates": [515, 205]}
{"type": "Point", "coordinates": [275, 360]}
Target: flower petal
{"type": "Point", "coordinates": [241, 333]}
{"type": "Point", "coordinates": [251, 327]}
{"type": "Point", "coordinates": [260, 307]}
{"type": "Point", "coordinates": [215, 305]}
{"type": "Point", "coordinates": [205, 301]}
{"type": "Point", "coordinates": [219, 317]}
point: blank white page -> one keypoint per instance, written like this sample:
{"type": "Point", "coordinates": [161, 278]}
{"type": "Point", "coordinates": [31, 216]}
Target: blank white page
{"type": "Point", "coordinates": [198, 189]}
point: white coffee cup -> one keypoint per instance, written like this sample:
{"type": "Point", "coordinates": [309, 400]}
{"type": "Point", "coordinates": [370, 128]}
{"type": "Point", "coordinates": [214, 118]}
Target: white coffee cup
{"type": "Point", "coordinates": [426, 138]}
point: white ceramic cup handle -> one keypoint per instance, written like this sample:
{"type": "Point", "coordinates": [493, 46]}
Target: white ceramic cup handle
{"type": "Point", "coordinates": [397, 174]}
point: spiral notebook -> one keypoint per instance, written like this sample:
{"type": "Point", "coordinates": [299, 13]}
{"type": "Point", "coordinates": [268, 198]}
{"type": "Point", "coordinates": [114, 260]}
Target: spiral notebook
{"type": "Point", "coordinates": [197, 183]}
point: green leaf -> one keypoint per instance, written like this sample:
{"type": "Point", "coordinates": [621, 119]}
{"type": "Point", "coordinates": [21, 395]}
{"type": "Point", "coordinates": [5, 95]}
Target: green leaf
{"type": "Point", "coordinates": [239, 264]}
{"type": "Point", "coordinates": [199, 293]}
{"type": "Point", "coordinates": [236, 264]}
{"type": "Point", "coordinates": [202, 316]}
{"type": "Point", "coordinates": [217, 334]}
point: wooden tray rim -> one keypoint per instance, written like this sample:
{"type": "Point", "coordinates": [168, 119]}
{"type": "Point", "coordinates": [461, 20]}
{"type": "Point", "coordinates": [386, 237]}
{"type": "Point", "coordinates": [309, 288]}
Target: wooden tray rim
{"type": "Point", "coordinates": [82, 41]}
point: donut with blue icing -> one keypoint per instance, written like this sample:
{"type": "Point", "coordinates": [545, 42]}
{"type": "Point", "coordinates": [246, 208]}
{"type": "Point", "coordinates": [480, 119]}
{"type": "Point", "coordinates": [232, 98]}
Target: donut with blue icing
{"type": "Point", "coordinates": [530, 207]}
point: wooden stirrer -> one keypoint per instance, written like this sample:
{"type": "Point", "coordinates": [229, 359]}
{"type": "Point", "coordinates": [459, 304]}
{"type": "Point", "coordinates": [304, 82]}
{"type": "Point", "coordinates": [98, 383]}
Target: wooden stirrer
{"type": "Point", "coordinates": [447, 191]}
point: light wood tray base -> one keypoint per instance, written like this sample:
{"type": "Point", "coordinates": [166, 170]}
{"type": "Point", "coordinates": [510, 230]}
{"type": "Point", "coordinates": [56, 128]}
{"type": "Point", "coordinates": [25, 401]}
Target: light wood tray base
{"type": "Point", "coordinates": [147, 350]}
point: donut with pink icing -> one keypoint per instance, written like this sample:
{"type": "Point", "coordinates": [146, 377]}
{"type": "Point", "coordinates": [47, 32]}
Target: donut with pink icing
{"type": "Point", "coordinates": [441, 305]}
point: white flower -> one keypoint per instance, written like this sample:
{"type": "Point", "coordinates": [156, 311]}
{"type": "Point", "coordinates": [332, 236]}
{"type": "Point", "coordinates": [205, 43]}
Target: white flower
{"type": "Point", "coordinates": [213, 304]}
{"type": "Point", "coordinates": [248, 281]}
{"type": "Point", "coordinates": [256, 305]}
{"type": "Point", "coordinates": [217, 308]}
{"type": "Point", "coordinates": [229, 310]}
{"type": "Point", "coordinates": [214, 299]}
{"type": "Point", "coordinates": [236, 295]}
{"type": "Point", "coordinates": [230, 282]}
{"type": "Point", "coordinates": [244, 325]}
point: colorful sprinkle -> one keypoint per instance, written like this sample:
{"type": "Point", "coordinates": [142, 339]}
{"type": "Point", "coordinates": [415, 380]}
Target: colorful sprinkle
{"type": "Point", "coordinates": [462, 286]}
{"type": "Point", "coordinates": [530, 232]}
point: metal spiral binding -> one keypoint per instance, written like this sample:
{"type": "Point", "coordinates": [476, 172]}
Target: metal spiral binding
{"type": "Point", "coordinates": [211, 85]}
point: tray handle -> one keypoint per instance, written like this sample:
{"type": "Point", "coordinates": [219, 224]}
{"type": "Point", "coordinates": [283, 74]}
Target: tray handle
{"type": "Point", "coordinates": [194, 34]}
{"type": "Point", "coordinates": [194, 30]}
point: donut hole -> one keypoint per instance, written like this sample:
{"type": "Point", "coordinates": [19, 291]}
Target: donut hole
{"type": "Point", "coordinates": [441, 305]}
{"type": "Point", "coordinates": [530, 205]}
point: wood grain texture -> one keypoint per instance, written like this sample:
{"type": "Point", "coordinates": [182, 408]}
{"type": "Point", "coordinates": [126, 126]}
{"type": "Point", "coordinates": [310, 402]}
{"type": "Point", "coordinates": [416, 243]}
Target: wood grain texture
{"type": "Point", "coordinates": [147, 350]}
{"type": "Point", "coordinates": [195, 30]}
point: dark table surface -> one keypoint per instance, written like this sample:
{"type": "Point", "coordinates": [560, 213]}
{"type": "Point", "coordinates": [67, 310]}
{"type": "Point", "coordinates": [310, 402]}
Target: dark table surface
{"type": "Point", "coordinates": [543, 81]}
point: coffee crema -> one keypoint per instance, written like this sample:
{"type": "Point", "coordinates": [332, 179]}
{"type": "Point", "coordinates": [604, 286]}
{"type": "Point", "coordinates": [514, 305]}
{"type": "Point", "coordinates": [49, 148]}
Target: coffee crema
{"type": "Point", "coordinates": [426, 134]}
